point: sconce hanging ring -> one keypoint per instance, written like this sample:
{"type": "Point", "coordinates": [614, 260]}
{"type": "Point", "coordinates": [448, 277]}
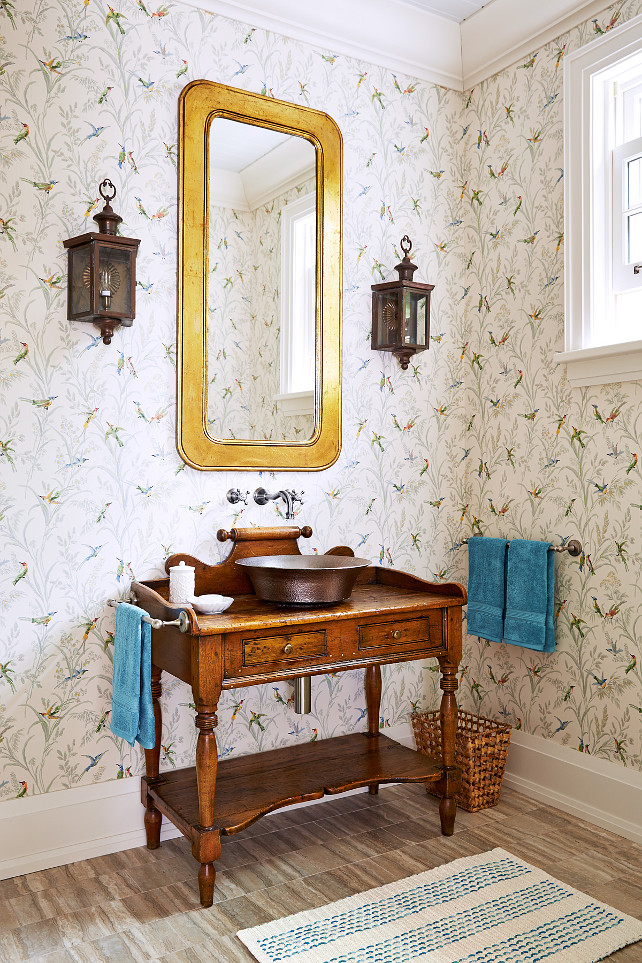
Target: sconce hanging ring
{"type": "Point", "coordinates": [406, 245]}
{"type": "Point", "coordinates": [108, 186]}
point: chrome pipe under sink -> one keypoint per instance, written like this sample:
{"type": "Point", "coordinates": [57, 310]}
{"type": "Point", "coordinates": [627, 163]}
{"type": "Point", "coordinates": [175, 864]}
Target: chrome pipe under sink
{"type": "Point", "coordinates": [303, 695]}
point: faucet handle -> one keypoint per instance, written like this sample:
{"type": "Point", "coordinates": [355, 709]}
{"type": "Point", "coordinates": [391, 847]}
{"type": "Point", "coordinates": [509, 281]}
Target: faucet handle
{"type": "Point", "coordinates": [296, 496]}
{"type": "Point", "coordinates": [234, 496]}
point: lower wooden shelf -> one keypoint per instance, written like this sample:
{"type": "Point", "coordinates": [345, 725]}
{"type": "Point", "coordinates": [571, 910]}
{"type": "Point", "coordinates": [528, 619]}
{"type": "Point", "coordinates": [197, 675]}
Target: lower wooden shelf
{"type": "Point", "coordinates": [251, 786]}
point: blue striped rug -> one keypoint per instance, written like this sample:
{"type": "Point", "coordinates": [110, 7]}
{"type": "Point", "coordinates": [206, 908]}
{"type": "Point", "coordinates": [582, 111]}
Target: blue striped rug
{"type": "Point", "coordinates": [489, 908]}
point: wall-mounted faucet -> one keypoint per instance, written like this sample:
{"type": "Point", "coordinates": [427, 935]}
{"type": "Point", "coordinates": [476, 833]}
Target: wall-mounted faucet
{"type": "Point", "coordinates": [289, 496]}
{"type": "Point", "coordinates": [234, 496]}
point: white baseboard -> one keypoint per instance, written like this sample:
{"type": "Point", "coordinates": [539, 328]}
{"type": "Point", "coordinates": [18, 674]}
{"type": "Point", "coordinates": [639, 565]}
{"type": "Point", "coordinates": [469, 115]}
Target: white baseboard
{"type": "Point", "coordinates": [57, 828]}
{"type": "Point", "coordinates": [53, 829]}
{"type": "Point", "coordinates": [601, 792]}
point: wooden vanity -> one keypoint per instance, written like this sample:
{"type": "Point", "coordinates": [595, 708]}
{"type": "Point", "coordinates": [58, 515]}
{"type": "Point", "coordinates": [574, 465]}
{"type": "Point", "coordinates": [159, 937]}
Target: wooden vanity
{"type": "Point", "coordinates": [390, 617]}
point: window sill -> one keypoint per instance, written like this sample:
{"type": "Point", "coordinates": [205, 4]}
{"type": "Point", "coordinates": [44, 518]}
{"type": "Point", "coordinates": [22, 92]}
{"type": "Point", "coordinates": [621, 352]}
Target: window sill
{"type": "Point", "coordinates": [296, 403]}
{"type": "Point", "coordinates": [602, 365]}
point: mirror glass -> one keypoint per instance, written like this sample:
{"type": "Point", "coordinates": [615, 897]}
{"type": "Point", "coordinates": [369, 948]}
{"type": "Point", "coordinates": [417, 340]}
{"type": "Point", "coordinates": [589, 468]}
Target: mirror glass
{"type": "Point", "coordinates": [261, 285]}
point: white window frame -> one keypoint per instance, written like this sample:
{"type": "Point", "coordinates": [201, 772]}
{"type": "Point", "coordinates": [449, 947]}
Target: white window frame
{"type": "Point", "coordinates": [292, 402]}
{"type": "Point", "coordinates": [592, 354]}
{"type": "Point", "coordinates": [625, 278]}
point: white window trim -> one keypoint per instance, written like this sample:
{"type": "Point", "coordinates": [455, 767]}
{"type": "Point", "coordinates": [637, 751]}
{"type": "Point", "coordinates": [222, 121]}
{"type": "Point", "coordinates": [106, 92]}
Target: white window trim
{"type": "Point", "coordinates": [584, 131]}
{"type": "Point", "coordinates": [623, 277]}
{"type": "Point", "coordinates": [291, 402]}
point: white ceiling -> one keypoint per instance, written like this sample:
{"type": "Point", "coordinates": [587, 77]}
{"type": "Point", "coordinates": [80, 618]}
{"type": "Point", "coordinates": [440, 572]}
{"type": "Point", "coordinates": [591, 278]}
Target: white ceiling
{"type": "Point", "coordinates": [456, 10]}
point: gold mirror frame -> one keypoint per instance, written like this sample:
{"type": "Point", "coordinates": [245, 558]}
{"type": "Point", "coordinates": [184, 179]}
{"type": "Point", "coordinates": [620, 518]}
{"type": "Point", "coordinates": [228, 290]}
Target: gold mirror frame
{"type": "Point", "coordinates": [199, 103]}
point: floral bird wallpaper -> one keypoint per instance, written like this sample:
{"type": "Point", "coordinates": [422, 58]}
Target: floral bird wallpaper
{"type": "Point", "coordinates": [482, 433]}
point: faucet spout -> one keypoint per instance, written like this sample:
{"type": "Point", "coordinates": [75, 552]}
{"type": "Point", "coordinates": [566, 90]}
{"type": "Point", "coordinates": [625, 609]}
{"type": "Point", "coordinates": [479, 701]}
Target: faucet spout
{"type": "Point", "coordinates": [261, 497]}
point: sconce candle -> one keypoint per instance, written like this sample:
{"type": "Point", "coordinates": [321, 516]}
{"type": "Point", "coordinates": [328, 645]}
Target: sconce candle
{"type": "Point", "coordinates": [401, 311]}
{"type": "Point", "coordinates": [102, 272]}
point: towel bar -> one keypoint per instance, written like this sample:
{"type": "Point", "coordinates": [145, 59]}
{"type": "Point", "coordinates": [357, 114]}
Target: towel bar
{"type": "Point", "coordinates": [574, 548]}
{"type": "Point", "coordinates": [182, 621]}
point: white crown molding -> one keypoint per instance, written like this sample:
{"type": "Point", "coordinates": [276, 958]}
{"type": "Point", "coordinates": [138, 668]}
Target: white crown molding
{"type": "Point", "coordinates": [504, 31]}
{"type": "Point", "coordinates": [287, 166]}
{"type": "Point", "coordinates": [402, 38]}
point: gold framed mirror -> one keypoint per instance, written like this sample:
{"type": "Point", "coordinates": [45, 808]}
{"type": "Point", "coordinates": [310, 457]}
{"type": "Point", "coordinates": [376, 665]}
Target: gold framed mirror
{"type": "Point", "coordinates": [259, 282]}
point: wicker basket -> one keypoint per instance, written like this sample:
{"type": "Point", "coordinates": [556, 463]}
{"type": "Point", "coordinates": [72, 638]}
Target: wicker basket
{"type": "Point", "coordinates": [481, 746]}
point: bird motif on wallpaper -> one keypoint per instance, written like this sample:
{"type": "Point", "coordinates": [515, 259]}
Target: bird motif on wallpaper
{"type": "Point", "coordinates": [39, 619]}
{"type": "Point", "coordinates": [633, 464]}
{"type": "Point", "coordinates": [112, 432]}
{"type": "Point", "coordinates": [256, 717]}
{"type": "Point", "coordinates": [632, 664]}
{"type": "Point", "coordinates": [76, 674]}
{"type": "Point", "coordinates": [7, 674]}
{"type": "Point", "coordinates": [116, 17]}
{"type": "Point", "coordinates": [621, 552]}
{"type": "Point", "coordinates": [95, 131]}
{"type": "Point", "coordinates": [23, 789]}
{"type": "Point", "coordinates": [46, 186]}
{"type": "Point", "coordinates": [21, 354]}
{"type": "Point", "coordinates": [104, 95]}
{"type": "Point", "coordinates": [21, 574]}
{"type": "Point", "coordinates": [122, 772]}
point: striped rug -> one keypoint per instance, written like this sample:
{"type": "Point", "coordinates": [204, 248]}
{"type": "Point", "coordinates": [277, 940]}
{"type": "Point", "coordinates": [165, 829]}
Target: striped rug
{"type": "Point", "coordinates": [489, 908]}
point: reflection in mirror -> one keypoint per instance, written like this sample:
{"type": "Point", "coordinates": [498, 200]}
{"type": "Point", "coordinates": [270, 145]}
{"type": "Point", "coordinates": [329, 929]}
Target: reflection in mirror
{"type": "Point", "coordinates": [261, 298]}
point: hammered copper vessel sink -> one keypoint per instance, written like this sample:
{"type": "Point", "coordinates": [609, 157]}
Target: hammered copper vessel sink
{"type": "Point", "coordinates": [303, 579]}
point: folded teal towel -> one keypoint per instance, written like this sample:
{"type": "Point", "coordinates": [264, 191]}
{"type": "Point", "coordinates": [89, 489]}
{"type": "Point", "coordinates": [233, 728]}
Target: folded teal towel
{"type": "Point", "coordinates": [486, 587]}
{"type": "Point", "coordinates": [132, 715]}
{"type": "Point", "coordinates": [530, 587]}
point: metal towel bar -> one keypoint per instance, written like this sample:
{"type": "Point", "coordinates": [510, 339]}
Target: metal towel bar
{"type": "Point", "coordinates": [182, 621]}
{"type": "Point", "coordinates": [574, 548]}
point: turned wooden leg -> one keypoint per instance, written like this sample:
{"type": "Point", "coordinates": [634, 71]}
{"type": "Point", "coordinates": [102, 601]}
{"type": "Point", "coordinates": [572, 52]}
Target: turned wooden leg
{"type": "Point", "coordinates": [373, 702]}
{"type": "Point", "coordinates": [153, 817]}
{"type": "Point", "coordinates": [448, 719]}
{"type": "Point", "coordinates": [207, 846]}
{"type": "Point", "coordinates": [206, 879]}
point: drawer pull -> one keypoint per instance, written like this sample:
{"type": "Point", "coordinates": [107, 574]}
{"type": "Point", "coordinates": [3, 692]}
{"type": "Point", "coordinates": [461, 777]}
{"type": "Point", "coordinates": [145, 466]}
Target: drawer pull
{"type": "Point", "coordinates": [396, 634]}
{"type": "Point", "coordinates": [287, 648]}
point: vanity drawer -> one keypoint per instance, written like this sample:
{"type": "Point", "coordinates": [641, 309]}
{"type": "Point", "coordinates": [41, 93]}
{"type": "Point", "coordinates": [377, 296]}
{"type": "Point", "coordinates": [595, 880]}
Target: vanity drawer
{"type": "Point", "coordinates": [403, 634]}
{"type": "Point", "coordinates": [284, 648]}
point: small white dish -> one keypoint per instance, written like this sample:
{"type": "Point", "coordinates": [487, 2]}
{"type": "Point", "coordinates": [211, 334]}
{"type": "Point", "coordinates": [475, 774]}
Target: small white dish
{"type": "Point", "coordinates": [211, 604]}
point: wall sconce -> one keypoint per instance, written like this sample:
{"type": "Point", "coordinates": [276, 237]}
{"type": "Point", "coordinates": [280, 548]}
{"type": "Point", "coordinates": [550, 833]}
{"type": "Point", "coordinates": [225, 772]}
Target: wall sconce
{"type": "Point", "coordinates": [401, 312]}
{"type": "Point", "coordinates": [102, 272]}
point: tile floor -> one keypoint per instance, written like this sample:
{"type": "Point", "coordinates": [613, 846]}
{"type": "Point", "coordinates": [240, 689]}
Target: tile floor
{"type": "Point", "coordinates": [140, 905]}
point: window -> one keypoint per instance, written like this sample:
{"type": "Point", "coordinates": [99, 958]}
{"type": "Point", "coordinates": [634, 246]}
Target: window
{"type": "Point", "coordinates": [298, 306]}
{"type": "Point", "coordinates": [603, 208]}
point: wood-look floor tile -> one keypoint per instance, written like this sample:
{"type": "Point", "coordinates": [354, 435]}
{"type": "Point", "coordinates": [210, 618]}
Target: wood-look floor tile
{"type": "Point", "coordinates": [356, 821]}
{"type": "Point", "coordinates": [242, 913]}
{"type": "Point", "coordinates": [152, 940]}
{"type": "Point", "coordinates": [415, 830]}
{"type": "Point", "coordinates": [88, 924]}
{"type": "Point", "coordinates": [258, 875]}
{"type": "Point", "coordinates": [286, 840]}
{"type": "Point", "coordinates": [8, 918]}
{"type": "Point", "coordinates": [624, 894]}
{"type": "Point", "coordinates": [58, 956]}
{"type": "Point", "coordinates": [363, 845]}
{"type": "Point", "coordinates": [156, 904]}
{"type": "Point", "coordinates": [37, 938]}
{"type": "Point", "coordinates": [228, 950]}
{"type": "Point", "coordinates": [9, 951]}
{"type": "Point", "coordinates": [114, 949]}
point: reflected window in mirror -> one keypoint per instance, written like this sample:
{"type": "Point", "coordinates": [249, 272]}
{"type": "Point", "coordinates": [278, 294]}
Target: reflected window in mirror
{"type": "Point", "coordinates": [298, 306]}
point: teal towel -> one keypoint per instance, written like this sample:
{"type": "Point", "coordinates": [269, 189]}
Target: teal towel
{"type": "Point", "coordinates": [132, 711]}
{"type": "Point", "coordinates": [486, 587]}
{"type": "Point", "coordinates": [530, 587]}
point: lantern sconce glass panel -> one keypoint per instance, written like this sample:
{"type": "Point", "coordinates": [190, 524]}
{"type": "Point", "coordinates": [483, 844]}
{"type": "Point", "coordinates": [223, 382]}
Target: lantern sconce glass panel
{"type": "Point", "coordinates": [401, 312]}
{"type": "Point", "coordinates": [102, 272]}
